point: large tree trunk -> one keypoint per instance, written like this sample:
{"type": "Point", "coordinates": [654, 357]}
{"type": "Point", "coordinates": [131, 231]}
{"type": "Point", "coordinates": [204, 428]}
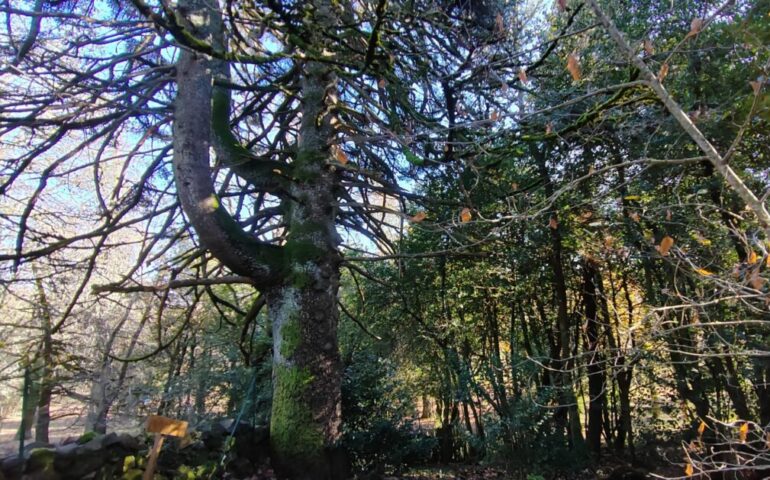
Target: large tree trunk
{"type": "Point", "coordinates": [299, 279]}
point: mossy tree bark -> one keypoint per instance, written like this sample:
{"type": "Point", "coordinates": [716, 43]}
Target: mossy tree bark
{"type": "Point", "coordinates": [299, 279]}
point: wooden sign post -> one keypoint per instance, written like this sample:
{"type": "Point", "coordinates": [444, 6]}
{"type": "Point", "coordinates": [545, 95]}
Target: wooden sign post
{"type": "Point", "coordinates": [161, 426]}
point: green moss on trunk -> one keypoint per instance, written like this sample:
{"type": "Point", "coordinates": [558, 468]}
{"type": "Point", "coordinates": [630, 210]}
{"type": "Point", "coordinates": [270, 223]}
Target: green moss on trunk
{"type": "Point", "coordinates": [294, 434]}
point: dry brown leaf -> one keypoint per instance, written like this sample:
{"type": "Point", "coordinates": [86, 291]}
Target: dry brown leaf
{"type": "Point", "coordinates": [573, 65]}
{"type": "Point", "coordinates": [665, 245]}
{"type": "Point", "coordinates": [381, 83]}
{"type": "Point", "coordinates": [499, 23]}
{"type": "Point", "coordinates": [695, 27]}
{"type": "Point", "coordinates": [548, 128]}
{"type": "Point", "coordinates": [663, 73]}
{"type": "Point", "coordinates": [341, 156]}
{"type": "Point", "coordinates": [465, 215]}
{"type": "Point", "coordinates": [515, 186]}
{"type": "Point", "coordinates": [756, 281]}
{"type": "Point", "coordinates": [553, 224]}
{"type": "Point", "coordinates": [523, 76]}
{"type": "Point", "coordinates": [756, 86]}
{"type": "Point", "coordinates": [634, 216]}
{"type": "Point", "coordinates": [647, 45]}
{"type": "Point", "coordinates": [418, 217]}
{"type": "Point", "coordinates": [743, 432]}
{"type": "Point", "coordinates": [752, 257]}
{"type": "Point", "coordinates": [586, 216]}
{"type": "Point", "coordinates": [494, 116]}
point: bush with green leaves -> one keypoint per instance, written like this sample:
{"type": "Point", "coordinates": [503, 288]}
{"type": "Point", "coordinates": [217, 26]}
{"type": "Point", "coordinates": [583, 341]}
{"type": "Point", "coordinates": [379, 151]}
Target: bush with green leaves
{"type": "Point", "coordinates": [378, 431]}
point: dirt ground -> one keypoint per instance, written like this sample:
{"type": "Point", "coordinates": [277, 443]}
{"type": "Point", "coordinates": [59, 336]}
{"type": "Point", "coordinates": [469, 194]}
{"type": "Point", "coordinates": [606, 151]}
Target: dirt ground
{"type": "Point", "coordinates": [63, 425]}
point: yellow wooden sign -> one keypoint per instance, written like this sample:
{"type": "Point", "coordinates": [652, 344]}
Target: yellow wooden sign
{"type": "Point", "coordinates": [161, 426]}
{"type": "Point", "coordinates": [166, 426]}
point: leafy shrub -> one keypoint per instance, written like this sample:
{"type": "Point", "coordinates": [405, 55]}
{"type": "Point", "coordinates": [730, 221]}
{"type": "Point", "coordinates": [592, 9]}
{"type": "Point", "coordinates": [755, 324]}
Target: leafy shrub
{"type": "Point", "coordinates": [377, 431]}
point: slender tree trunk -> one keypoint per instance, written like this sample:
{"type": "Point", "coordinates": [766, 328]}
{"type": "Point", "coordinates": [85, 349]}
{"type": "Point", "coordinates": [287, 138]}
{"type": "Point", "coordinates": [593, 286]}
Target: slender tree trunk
{"type": "Point", "coordinates": [46, 369]}
{"type": "Point", "coordinates": [567, 413]}
{"type": "Point", "coordinates": [595, 369]}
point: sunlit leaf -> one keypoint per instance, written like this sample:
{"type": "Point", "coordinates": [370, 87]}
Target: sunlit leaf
{"type": "Point", "coordinates": [648, 48]}
{"type": "Point", "coordinates": [756, 281]}
{"type": "Point", "coordinates": [341, 156]}
{"type": "Point", "coordinates": [688, 470]}
{"type": "Point", "coordinates": [574, 66]}
{"type": "Point", "coordinates": [465, 215]}
{"type": "Point", "coordinates": [695, 27]}
{"type": "Point", "coordinates": [752, 257]}
{"type": "Point", "coordinates": [701, 239]}
{"type": "Point", "coordinates": [704, 272]}
{"type": "Point", "coordinates": [553, 223]}
{"type": "Point", "coordinates": [743, 432]}
{"type": "Point", "coordinates": [523, 76]}
{"type": "Point", "coordinates": [663, 73]}
{"type": "Point", "coordinates": [701, 428]}
{"type": "Point", "coordinates": [418, 217]}
{"type": "Point", "coordinates": [632, 198]}
{"type": "Point", "coordinates": [665, 245]}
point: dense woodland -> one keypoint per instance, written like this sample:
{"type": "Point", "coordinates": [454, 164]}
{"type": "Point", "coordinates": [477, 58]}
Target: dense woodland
{"type": "Point", "coordinates": [518, 233]}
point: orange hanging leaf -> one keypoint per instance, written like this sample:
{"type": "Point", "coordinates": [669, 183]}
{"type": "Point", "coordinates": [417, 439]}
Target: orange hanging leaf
{"type": "Point", "coordinates": [663, 73]}
{"type": "Point", "coordinates": [553, 223]}
{"type": "Point", "coordinates": [688, 470]}
{"type": "Point", "coordinates": [648, 48]}
{"type": "Point", "coordinates": [341, 156]}
{"type": "Point", "coordinates": [743, 432]}
{"type": "Point", "coordinates": [701, 428]}
{"type": "Point", "coordinates": [499, 23]}
{"type": "Point", "coordinates": [523, 76]}
{"type": "Point", "coordinates": [756, 86]}
{"type": "Point", "coordinates": [574, 66]}
{"type": "Point", "coordinates": [756, 281]}
{"type": "Point", "coordinates": [418, 217]}
{"type": "Point", "coordinates": [695, 27]}
{"type": "Point", "coordinates": [665, 245]}
{"type": "Point", "coordinates": [465, 215]}
{"type": "Point", "coordinates": [752, 258]}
